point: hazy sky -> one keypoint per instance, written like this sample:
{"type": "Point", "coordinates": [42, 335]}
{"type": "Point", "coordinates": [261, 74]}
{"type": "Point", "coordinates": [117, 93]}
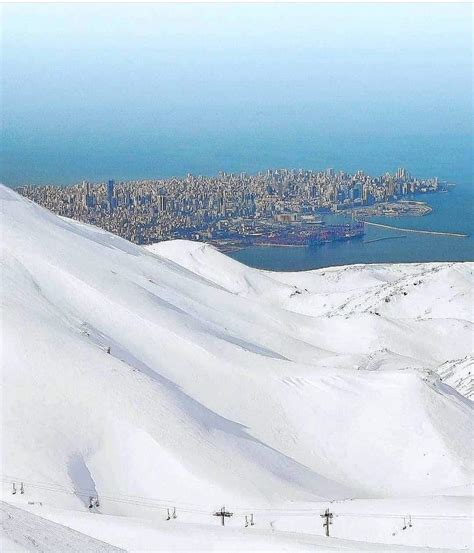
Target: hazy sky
{"type": "Point", "coordinates": [109, 73]}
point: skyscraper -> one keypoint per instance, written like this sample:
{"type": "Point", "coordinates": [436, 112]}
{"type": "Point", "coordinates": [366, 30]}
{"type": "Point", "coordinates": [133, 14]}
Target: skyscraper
{"type": "Point", "coordinates": [401, 174]}
{"type": "Point", "coordinates": [161, 201]}
{"type": "Point", "coordinates": [110, 193]}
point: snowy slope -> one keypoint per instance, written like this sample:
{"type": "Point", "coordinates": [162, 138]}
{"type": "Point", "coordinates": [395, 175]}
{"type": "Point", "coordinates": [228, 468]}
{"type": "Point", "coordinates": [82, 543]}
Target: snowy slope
{"type": "Point", "coordinates": [395, 306]}
{"type": "Point", "coordinates": [270, 533]}
{"type": "Point", "coordinates": [23, 531]}
{"type": "Point", "coordinates": [458, 373]}
{"type": "Point", "coordinates": [224, 385]}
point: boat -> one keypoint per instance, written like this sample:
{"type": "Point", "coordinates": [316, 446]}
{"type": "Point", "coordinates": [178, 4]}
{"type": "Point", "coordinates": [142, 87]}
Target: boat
{"type": "Point", "coordinates": [335, 233]}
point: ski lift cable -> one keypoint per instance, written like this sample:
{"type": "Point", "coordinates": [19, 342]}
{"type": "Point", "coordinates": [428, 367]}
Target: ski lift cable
{"type": "Point", "coordinates": [149, 503]}
{"type": "Point", "coordinates": [165, 502]}
{"type": "Point", "coordinates": [186, 508]}
{"type": "Point", "coordinates": [85, 491]}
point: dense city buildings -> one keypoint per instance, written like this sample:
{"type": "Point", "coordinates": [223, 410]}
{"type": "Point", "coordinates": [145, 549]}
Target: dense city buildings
{"type": "Point", "coordinates": [275, 206]}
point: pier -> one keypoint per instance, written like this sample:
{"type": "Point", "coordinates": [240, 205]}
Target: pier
{"type": "Point", "coordinates": [438, 233]}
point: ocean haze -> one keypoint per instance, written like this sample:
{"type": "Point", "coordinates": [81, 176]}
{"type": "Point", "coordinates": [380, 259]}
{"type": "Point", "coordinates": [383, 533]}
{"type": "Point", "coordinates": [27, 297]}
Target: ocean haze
{"type": "Point", "coordinates": [140, 91]}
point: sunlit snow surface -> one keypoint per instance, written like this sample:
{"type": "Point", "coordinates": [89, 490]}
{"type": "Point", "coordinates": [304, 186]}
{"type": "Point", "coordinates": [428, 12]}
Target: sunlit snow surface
{"type": "Point", "coordinates": [269, 393]}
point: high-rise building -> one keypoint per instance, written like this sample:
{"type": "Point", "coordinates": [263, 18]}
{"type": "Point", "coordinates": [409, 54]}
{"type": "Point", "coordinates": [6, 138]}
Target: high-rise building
{"type": "Point", "coordinates": [401, 174]}
{"type": "Point", "coordinates": [161, 201]}
{"type": "Point", "coordinates": [110, 193]}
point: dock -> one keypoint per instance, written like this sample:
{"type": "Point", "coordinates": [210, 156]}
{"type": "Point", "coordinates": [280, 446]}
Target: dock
{"type": "Point", "coordinates": [435, 232]}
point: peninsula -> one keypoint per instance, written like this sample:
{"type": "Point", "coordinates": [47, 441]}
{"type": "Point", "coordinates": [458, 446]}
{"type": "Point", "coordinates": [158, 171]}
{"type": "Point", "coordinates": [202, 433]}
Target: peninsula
{"type": "Point", "coordinates": [275, 207]}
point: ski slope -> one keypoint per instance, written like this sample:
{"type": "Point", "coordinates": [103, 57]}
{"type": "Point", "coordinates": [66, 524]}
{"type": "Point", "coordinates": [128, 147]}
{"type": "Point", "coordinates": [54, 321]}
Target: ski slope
{"type": "Point", "coordinates": [225, 385]}
{"type": "Point", "coordinates": [72, 531]}
{"type": "Point", "coordinates": [23, 531]}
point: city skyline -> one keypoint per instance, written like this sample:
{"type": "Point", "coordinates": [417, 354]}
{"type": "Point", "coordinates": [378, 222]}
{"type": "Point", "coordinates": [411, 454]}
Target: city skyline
{"type": "Point", "coordinates": [228, 207]}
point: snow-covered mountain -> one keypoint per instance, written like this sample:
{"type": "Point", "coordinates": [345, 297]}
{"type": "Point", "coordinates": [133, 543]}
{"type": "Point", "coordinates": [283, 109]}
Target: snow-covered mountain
{"type": "Point", "coordinates": [172, 375]}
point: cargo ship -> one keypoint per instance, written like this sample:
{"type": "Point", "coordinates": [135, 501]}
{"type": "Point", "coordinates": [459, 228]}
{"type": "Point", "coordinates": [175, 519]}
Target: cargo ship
{"type": "Point", "coordinates": [335, 233]}
{"type": "Point", "coordinates": [305, 236]}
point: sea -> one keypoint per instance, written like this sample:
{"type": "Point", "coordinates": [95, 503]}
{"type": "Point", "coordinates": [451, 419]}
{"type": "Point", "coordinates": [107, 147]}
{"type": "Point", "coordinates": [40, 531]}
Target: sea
{"type": "Point", "coordinates": [253, 149]}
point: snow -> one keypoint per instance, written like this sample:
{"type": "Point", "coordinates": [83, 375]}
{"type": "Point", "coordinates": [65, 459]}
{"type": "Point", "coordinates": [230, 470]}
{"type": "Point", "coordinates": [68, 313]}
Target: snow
{"type": "Point", "coordinates": [23, 531]}
{"type": "Point", "coordinates": [270, 533]}
{"type": "Point", "coordinates": [458, 373]}
{"type": "Point", "coordinates": [229, 385]}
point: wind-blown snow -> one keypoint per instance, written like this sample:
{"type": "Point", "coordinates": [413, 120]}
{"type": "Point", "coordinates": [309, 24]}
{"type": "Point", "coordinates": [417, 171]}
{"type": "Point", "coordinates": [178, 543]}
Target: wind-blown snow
{"type": "Point", "coordinates": [224, 384]}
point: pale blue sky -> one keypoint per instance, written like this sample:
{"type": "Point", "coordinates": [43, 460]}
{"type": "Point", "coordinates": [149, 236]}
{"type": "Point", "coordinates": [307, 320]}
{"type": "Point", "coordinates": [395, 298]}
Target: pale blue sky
{"type": "Point", "coordinates": [155, 72]}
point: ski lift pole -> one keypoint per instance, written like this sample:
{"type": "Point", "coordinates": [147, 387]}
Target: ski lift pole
{"type": "Point", "coordinates": [328, 516]}
{"type": "Point", "coordinates": [223, 514]}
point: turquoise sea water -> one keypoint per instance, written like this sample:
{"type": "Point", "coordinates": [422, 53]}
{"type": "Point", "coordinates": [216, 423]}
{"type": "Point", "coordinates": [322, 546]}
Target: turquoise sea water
{"type": "Point", "coordinates": [257, 144]}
